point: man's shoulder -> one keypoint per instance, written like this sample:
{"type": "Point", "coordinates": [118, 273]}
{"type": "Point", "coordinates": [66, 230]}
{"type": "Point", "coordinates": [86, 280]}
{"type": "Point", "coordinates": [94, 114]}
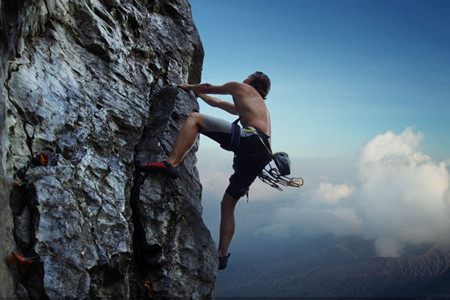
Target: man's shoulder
{"type": "Point", "coordinates": [234, 84]}
{"type": "Point", "coordinates": [239, 87]}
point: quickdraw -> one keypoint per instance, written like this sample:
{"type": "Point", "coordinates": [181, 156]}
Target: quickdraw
{"type": "Point", "coordinates": [271, 176]}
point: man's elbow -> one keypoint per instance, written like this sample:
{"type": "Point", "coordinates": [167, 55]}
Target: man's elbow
{"type": "Point", "coordinates": [205, 87]}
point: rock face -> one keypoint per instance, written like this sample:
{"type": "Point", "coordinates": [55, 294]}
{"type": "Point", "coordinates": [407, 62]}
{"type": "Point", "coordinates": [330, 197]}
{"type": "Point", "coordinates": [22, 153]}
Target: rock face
{"type": "Point", "coordinates": [89, 91]}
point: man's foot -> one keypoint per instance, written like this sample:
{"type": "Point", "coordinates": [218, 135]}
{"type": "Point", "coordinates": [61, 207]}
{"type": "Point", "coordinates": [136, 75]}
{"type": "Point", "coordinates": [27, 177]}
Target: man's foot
{"type": "Point", "coordinates": [223, 261]}
{"type": "Point", "coordinates": [161, 167]}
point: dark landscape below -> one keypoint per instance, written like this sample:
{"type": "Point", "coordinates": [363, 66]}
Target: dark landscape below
{"type": "Point", "coordinates": [334, 268]}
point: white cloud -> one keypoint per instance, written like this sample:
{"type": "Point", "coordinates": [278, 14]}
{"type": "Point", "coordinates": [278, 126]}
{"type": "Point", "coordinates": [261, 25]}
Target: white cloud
{"type": "Point", "coordinates": [316, 211]}
{"type": "Point", "coordinates": [341, 221]}
{"type": "Point", "coordinates": [331, 193]}
{"type": "Point", "coordinates": [403, 194]}
{"type": "Point", "coordinates": [400, 196]}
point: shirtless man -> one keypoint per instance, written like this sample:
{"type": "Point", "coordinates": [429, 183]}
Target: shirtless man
{"type": "Point", "coordinates": [250, 144]}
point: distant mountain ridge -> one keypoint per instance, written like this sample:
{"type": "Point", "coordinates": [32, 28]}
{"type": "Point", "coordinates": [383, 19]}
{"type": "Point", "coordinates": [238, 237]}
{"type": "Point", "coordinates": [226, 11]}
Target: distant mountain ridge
{"type": "Point", "coordinates": [346, 268]}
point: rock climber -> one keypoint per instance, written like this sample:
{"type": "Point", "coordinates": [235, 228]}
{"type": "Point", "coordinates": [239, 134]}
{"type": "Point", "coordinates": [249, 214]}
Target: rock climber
{"type": "Point", "coordinates": [250, 143]}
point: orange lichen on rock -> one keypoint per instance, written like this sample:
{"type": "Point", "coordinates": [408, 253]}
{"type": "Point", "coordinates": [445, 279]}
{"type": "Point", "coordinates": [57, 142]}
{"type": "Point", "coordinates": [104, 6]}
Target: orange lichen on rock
{"type": "Point", "coordinates": [18, 261]}
{"type": "Point", "coordinates": [43, 159]}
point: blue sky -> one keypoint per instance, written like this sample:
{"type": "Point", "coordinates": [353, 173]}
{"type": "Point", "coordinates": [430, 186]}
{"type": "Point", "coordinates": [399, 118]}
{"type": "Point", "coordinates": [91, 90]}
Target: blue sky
{"type": "Point", "coordinates": [342, 71]}
{"type": "Point", "coordinates": [360, 100]}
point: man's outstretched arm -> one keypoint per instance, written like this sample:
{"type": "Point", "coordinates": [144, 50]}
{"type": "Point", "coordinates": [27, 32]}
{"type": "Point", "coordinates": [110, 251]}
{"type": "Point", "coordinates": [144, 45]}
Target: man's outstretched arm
{"type": "Point", "coordinates": [215, 102]}
{"type": "Point", "coordinates": [229, 88]}
{"type": "Point", "coordinates": [201, 90]}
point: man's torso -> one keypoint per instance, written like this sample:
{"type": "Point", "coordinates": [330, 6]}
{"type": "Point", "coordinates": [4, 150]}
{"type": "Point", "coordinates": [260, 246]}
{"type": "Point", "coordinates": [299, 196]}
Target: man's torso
{"type": "Point", "coordinates": [251, 109]}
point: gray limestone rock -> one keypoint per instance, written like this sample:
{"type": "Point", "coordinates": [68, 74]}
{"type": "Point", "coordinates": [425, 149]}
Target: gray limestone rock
{"type": "Point", "coordinates": [92, 86]}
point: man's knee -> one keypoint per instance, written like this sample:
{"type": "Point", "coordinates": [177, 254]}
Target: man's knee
{"type": "Point", "coordinates": [194, 115]}
{"type": "Point", "coordinates": [196, 119]}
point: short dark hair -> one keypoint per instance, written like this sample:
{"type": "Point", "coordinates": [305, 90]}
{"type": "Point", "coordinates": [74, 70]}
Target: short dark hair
{"type": "Point", "coordinates": [261, 83]}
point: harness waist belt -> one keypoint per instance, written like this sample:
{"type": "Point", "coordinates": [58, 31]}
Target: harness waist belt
{"type": "Point", "coordinates": [264, 138]}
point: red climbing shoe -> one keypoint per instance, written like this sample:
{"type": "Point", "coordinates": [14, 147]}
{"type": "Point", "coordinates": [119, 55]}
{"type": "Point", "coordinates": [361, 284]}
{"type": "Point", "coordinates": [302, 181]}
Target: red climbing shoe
{"type": "Point", "coordinates": [161, 167]}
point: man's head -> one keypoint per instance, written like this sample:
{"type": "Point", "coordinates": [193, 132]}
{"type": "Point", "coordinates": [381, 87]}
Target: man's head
{"type": "Point", "coordinates": [260, 82]}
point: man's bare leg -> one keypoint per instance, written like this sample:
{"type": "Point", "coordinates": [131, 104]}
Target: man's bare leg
{"type": "Point", "coordinates": [186, 138]}
{"type": "Point", "coordinates": [227, 223]}
{"type": "Point", "coordinates": [184, 141]}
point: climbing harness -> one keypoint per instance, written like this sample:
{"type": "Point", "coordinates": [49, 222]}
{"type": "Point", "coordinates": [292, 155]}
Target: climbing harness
{"type": "Point", "coordinates": [235, 139]}
{"type": "Point", "coordinates": [276, 175]}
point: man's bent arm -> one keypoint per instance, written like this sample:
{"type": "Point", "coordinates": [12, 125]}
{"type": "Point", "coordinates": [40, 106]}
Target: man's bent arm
{"type": "Point", "coordinates": [215, 102]}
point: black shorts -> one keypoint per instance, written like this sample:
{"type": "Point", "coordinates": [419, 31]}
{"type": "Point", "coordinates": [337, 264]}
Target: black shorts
{"type": "Point", "coordinates": [250, 154]}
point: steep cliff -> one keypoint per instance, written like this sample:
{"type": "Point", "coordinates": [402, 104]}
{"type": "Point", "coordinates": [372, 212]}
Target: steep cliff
{"type": "Point", "coordinates": [89, 91]}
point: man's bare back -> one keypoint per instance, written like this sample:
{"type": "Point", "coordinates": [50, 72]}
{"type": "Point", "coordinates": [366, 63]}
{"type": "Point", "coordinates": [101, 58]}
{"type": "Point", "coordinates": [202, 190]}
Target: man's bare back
{"type": "Point", "coordinates": [252, 109]}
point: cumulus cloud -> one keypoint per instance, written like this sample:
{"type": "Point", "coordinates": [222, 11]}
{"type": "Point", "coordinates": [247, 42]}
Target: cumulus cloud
{"type": "Point", "coordinates": [321, 210]}
{"type": "Point", "coordinates": [309, 221]}
{"type": "Point", "coordinates": [400, 196]}
{"type": "Point", "coordinates": [403, 195]}
{"type": "Point", "coordinates": [331, 193]}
